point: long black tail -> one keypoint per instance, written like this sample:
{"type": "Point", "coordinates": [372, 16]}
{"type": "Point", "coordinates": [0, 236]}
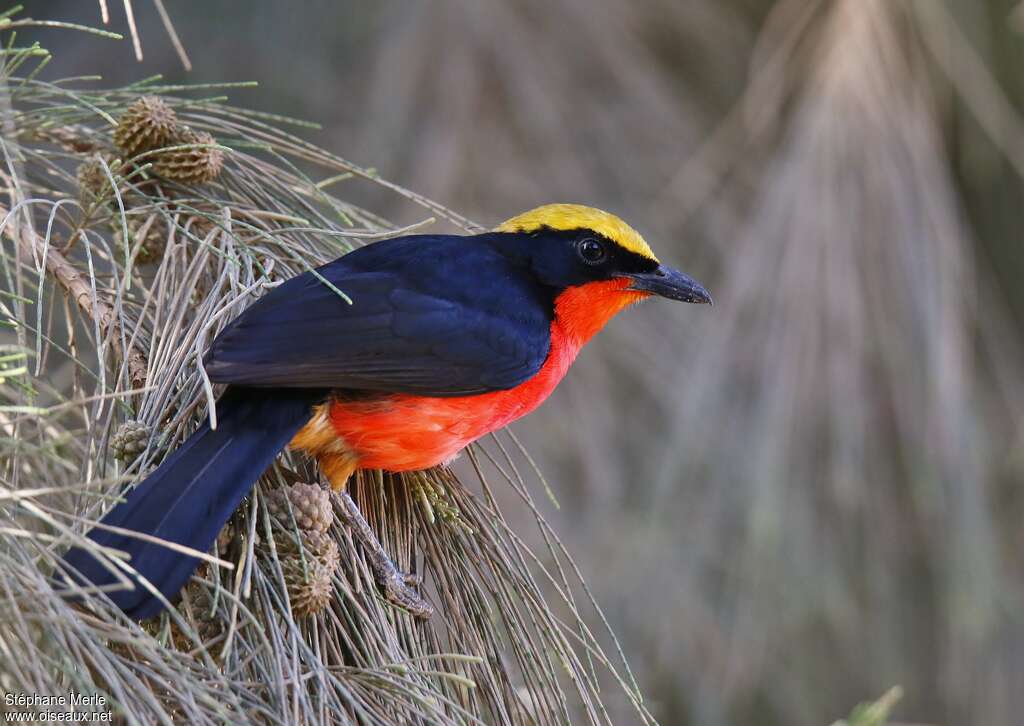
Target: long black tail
{"type": "Point", "coordinates": [193, 493]}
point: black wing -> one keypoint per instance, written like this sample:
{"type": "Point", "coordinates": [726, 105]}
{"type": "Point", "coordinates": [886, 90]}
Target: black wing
{"type": "Point", "coordinates": [430, 315]}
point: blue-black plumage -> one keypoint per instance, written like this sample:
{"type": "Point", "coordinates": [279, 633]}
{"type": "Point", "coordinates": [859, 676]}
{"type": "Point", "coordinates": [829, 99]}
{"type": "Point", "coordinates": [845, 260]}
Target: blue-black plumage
{"type": "Point", "coordinates": [414, 325]}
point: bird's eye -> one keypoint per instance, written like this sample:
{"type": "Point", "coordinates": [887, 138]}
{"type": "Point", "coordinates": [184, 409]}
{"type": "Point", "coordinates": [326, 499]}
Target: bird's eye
{"type": "Point", "coordinates": [591, 251]}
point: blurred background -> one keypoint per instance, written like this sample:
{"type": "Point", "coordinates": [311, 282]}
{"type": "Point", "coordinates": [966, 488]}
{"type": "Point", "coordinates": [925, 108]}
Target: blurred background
{"type": "Point", "coordinates": [812, 491]}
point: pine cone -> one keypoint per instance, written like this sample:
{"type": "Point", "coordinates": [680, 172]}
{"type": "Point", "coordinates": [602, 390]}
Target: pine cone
{"type": "Point", "coordinates": [193, 165]}
{"type": "Point", "coordinates": [320, 546]}
{"type": "Point", "coordinates": [129, 441]}
{"type": "Point", "coordinates": [93, 184]}
{"type": "Point", "coordinates": [310, 505]}
{"type": "Point", "coordinates": [310, 588]}
{"type": "Point", "coordinates": [147, 124]}
{"type": "Point", "coordinates": [206, 625]}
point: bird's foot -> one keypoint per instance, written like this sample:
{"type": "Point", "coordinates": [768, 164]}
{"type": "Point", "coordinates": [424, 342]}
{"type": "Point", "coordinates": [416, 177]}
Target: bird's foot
{"type": "Point", "coordinates": [396, 586]}
{"type": "Point", "coordinates": [398, 590]}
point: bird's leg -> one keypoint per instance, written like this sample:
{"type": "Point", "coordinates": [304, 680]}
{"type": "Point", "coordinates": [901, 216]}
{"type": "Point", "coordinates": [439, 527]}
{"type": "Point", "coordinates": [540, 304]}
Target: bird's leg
{"type": "Point", "coordinates": [395, 584]}
{"type": "Point", "coordinates": [318, 439]}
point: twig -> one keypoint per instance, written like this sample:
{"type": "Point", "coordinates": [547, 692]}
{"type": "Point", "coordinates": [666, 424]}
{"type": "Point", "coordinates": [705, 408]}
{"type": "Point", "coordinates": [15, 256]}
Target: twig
{"type": "Point", "coordinates": [75, 284]}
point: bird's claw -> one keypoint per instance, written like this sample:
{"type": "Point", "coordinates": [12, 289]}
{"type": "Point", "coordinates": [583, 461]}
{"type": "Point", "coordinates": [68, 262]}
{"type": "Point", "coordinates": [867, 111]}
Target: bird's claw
{"type": "Point", "coordinates": [397, 589]}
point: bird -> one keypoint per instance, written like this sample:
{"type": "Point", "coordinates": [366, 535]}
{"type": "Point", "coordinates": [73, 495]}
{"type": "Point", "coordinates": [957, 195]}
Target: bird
{"type": "Point", "coordinates": [435, 341]}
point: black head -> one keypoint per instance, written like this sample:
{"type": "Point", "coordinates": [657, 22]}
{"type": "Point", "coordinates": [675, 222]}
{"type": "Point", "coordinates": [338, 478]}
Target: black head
{"type": "Point", "coordinates": [567, 245]}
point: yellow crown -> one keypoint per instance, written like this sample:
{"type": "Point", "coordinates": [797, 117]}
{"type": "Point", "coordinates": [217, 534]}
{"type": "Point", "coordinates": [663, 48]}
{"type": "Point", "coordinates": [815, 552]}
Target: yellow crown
{"type": "Point", "coordinates": [577, 216]}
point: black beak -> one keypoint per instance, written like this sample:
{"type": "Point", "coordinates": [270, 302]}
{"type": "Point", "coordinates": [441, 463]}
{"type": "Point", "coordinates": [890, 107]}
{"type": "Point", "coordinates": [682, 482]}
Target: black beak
{"type": "Point", "coordinates": [671, 284]}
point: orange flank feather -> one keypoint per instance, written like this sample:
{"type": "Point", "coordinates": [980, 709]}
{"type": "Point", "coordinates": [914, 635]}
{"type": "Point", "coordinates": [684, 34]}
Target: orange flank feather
{"type": "Point", "coordinates": [405, 432]}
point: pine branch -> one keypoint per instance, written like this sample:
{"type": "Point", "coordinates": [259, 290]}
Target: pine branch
{"type": "Point", "coordinates": [76, 285]}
